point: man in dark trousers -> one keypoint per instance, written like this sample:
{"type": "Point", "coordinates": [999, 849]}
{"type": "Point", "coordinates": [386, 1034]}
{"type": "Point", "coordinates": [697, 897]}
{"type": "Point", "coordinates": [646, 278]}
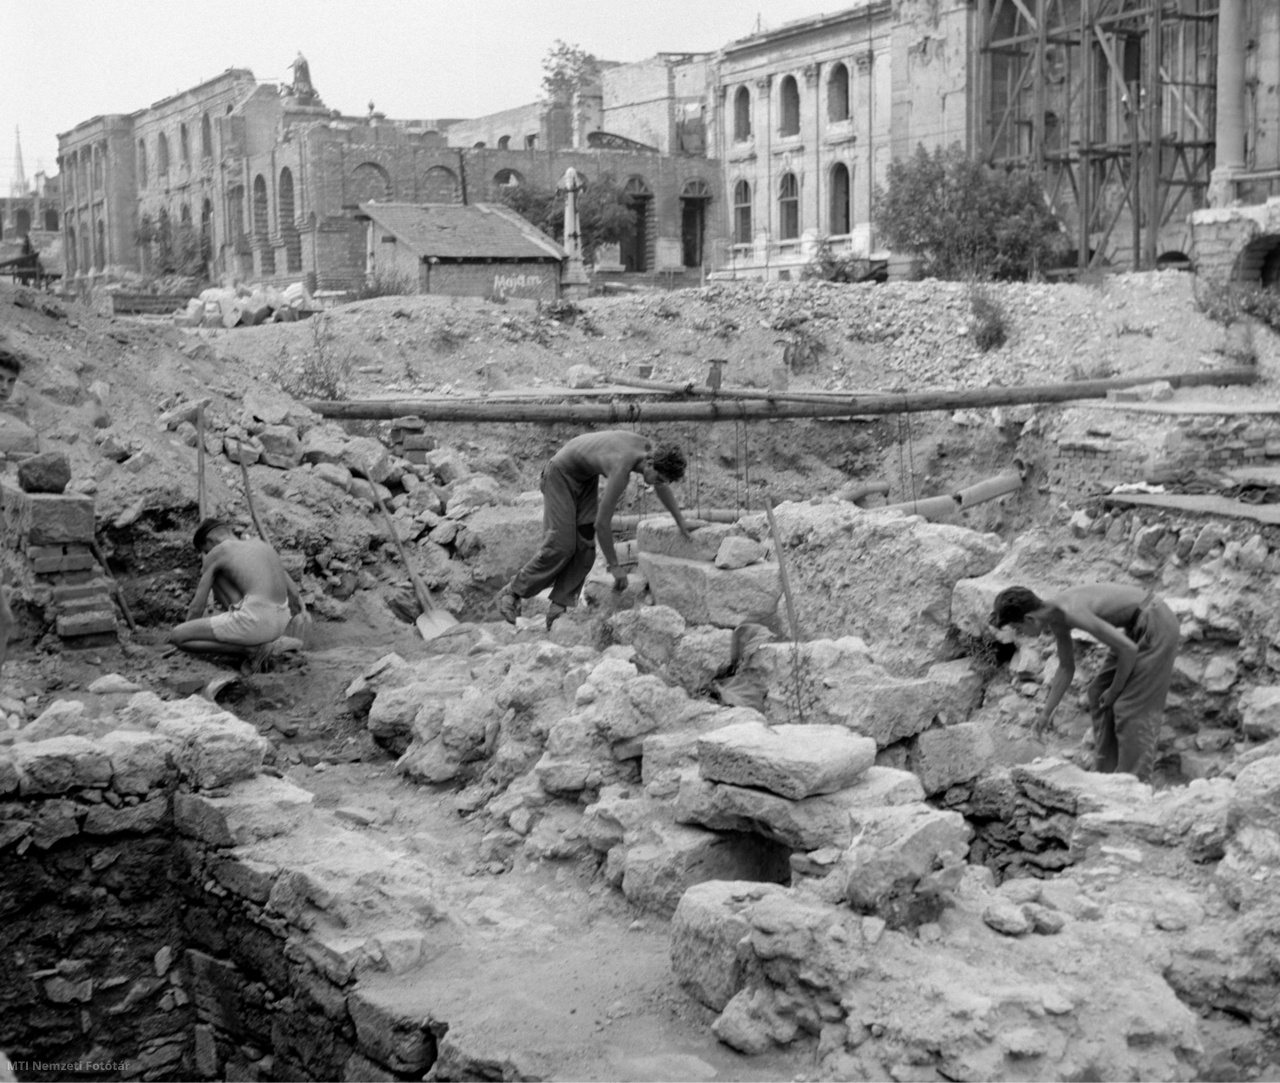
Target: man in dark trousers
{"type": "Point", "coordinates": [574, 515]}
{"type": "Point", "coordinates": [1126, 699]}
{"type": "Point", "coordinates": [247, 579]}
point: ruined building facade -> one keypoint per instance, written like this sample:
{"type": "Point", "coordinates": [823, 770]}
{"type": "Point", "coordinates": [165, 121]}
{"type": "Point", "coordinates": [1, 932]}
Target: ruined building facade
{"type": "Point", "coordinates": [1155, 125]}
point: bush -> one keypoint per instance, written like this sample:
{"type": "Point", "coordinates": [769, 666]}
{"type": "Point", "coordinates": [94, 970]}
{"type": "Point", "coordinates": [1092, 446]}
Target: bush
{"type": "Point", "coordinates": [1231, 302]}
{"type": "Point", "coordinates": [826, 266]}
{"type": "Point", "coordinates": [990, 327]}
{"type": "Point", "coordinates": [323, 372]}
{"type": "Point", "coordinates": [604, 211]}
{"type": "Point", "coordinates": [965, 219]}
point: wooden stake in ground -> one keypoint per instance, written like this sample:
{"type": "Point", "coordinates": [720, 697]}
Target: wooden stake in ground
{"type": "Point", "coordinates": [115, 584]}
{"type": "Point", "coordinates": [204, 504]}
{"type": "Point", "coordinates": [782, 574]}
{"type": "Point", "coordinates": [248, 494]}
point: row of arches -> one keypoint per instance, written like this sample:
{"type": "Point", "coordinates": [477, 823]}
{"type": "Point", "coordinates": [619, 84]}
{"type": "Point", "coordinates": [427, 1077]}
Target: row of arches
{"type": "Point", "coordinates": [163, 160]}
{"type": "Point", "coordinates": [839, 210]}
{"type": "Point", "coordinates": [22, 221]}
{"type": "Point", "coordinates": [839, 104]}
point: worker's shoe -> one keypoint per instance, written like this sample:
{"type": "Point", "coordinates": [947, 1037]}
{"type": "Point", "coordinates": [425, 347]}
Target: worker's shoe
{"type": "Point", "coordinates": [554, 612]}
{"type": "Point", "coordinates": [508, 605]}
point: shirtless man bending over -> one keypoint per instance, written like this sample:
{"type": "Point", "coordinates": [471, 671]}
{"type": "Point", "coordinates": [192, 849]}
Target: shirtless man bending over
{"type": "Point", "coordinates": [1126, 699]}
{"type": "Point", "coordinates": [574, 515]}
{"type": "Point", "coordinates": [247, 579]}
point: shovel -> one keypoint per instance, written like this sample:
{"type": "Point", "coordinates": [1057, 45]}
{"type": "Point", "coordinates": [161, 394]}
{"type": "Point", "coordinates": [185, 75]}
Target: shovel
{"type": "Point", "coordinates": [432, 622]}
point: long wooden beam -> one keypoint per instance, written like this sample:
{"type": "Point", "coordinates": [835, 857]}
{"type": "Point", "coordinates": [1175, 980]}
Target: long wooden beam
{"type": "Point", "coordinates": [727, 409]}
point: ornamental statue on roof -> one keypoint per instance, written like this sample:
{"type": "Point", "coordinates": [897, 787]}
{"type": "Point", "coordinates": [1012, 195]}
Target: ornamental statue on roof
{"type": "Point", "coordinates": [301, 89]}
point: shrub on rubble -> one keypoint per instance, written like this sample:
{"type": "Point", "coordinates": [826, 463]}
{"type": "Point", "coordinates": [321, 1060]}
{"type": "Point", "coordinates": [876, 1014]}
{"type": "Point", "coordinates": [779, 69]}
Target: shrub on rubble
{"type": "Point", "coordinates": [990, 327]}
{"type": "Point", "coordinates": [386, 284]}
{"type": "Point", "coordinates": [322, 373]}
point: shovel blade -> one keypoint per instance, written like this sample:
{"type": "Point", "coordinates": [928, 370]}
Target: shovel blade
{"type": "Point", "coordinates": [435, 623]}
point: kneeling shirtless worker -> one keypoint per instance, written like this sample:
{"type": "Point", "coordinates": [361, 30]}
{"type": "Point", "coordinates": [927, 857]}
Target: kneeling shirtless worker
{"type": "Point", "coordinates": [247, 579]}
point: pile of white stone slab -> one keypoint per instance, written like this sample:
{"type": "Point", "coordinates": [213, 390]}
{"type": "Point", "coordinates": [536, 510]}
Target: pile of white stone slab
{"type": "Point", "coordinates": [800, 785]}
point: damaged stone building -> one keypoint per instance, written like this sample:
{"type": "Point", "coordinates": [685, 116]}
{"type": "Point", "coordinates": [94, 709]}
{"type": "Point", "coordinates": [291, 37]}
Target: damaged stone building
{"type": "Point", "coordinates": [1152, 122]}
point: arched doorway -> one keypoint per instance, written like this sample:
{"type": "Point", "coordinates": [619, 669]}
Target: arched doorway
{"type": "Point", "coordinates": [439, 185]}
{"type": "Point", "coordinates": [635, 250]}
{"type": "Point", "coordinates": [285, 213]}
{"type": "Point", "coordinates": [22, 222]}
{"type": "Point", "coordinates": [369, 183]}
{"type": "Point", "coordinates": [695, 197]}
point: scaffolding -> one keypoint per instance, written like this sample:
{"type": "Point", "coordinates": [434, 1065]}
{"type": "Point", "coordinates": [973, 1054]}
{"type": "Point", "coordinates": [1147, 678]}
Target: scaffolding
{"type": "Point", "coordinates": [1113, 103]}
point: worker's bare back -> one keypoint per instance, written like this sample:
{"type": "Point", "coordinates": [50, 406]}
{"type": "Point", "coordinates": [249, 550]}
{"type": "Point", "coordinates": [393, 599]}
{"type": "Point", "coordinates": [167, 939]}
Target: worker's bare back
{"type": "Point", "coordinates": [609, 453]}
{"type": "Point", "coordinates": [245, 566]}
{"type": "Point", "coordinates": [1114, 603]}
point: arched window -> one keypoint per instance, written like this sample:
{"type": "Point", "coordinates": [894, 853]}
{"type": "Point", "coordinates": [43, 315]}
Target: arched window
{"type": "Point", "coordinates": [838, 93]}
{"type": "Point", "coordinates": [206, 230]}
{"type": "Point", "coordinates": [788, 208]}
{"type": "Point", "coordinates": [742, 213]}
{"type": "Point", "coordinates": [285, 215]}
{"type": "Point", "coordinates": [507, 178]}
{"type": "Point", "coordinates": [142, 164]}
{"type": "Point", "coordinates": [206, 137]}
{"type": "Point", "coordinates": [369, 183]}
{"type": "Point", "coordinates": [742, 115]}
{"type": "Point", "coordinates": [439, 185]}
{"type": "Point", "coordinates": [51, 220]}
{"type": "Point", "coordinates": [261, 214]}
{"type": "Point", "coordinates": [97, 169]}
{"type": "Point", "coordinates": [504, 142]}
{"type": "Point", "coordinates": [162, 155]}
{"type": "Point", "coordinates": [478, 146]}
{"type": "Point", "coordinates": [184, 215]}
{"type": "Point", "coordinates": [840, 189]}
{"type": "Point", "coordinates": [72, 263]}
{"type": "Point", "coordinates": [789, 98]}
{"type": "Point", "coordinates": [184, 145]}
{"type": "Point", "coordinates": [100, 246]}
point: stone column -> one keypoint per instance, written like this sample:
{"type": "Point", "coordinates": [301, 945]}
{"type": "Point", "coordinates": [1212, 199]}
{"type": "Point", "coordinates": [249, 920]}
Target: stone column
{"type": "Point", "coordinates": [1229, 129]}
{"type": "Point", "coordinates": [573, 281]}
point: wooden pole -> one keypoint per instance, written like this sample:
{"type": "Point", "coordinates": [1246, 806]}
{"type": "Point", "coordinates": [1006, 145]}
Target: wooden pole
{"type": "Point", "coordinates": [731, 393]}
{"type": "Point", "coordinates": [792, 619]}
{"type": "Point", "coordinates": [204, 505]}
{"type": "Point", "coordinates": [248, 494]}
{"type": "Point", "coordinates": [629, 413]}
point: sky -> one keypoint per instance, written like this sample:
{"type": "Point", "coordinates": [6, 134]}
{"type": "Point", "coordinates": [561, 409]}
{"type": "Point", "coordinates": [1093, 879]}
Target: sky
{"type": "Point", "coordinates": [67, 61]}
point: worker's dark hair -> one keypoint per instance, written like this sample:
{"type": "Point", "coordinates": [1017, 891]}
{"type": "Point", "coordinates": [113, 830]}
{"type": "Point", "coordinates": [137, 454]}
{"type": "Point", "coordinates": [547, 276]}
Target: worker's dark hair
{"type": "Point", "coordinates": [206, 527]}
{"type": "Point", "coordinates": [668, 460]}
{"type": "Point", "coordinates": [1012, 606]}
{"type": "Point", "coordinates": [9, 360]}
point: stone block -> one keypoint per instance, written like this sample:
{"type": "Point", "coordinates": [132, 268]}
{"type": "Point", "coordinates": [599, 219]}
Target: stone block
{"type": "Point", "coordinates": [280, 447]}
{"type": "Point", "coordinates": [945, 756]}
{"type": "Point", "coordinates": [140, 761]}
{"type": "Point", "coordinates": [388, 1035]}
{"type": "Point", "coordinates": [10, 776]}
{"type": "Point", "coordinates": [135, 819]}
{"type": "Point", "coordinates": [738, 551]}
{"type": "Point", "coordinates": [17, 437]}
{"type": "Point", "coordinates": [47, 518]}
{"type": "Point", "coordinates": [705, 594]}
{"type": "Point", "coordinates": [658, 872]}
{"type": "Point", "coordinates": [48, 472]}
{"type": "Point", "coordinates": [896, 848]}
{"type": "Point", "coordinates": [1057, 784]}
{"type": "Point", "coordinates": [791, 761]}
{"type": "Point", "coordinates": [660, 536]}
{"type": "Point", "coordinates": [212, 746]}
{"type": "Point", "coordinates": [60, 764]}
{"type": "Point", "coordinates": [1260, 712]}
{"type": "Point", "coordinates": [91, 622]}
{"type": "Point", "coordinates": [242, 876]}
{"type": "Point", "coordinates": [708, 956]}
{"type": "Point", "coordinates": [505, 537]}
{"type": "Point", "coordinates": [257, 809]}
{"type": "Point", "coordinates": [808, 824]}
{"type": "Point", "coordinates": [367, 457]}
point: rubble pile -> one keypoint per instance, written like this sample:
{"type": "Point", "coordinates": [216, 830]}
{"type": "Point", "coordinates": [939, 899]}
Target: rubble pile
{"type": "Point", "coordinates": [243, 307]}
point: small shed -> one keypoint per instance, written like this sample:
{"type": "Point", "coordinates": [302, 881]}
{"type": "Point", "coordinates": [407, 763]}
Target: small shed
{"type": "Point", "coordinates": [462, 250]}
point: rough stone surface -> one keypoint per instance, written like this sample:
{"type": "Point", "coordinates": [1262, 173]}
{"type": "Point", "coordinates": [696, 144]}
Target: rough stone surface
{"type": "Point", "coordinates": [792, 761]}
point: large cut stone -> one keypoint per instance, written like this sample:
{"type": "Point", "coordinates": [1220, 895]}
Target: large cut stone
{"type": "Point", "coordinates": [793, 761]}
{"type": "Point", "coordinates": [60, 764]}
{"type": "Point", "coordinates": [48, 472]}
{"type": "Point", "coordinates": [709, 957]}
{"type": "Point", "coordinates": [257, 809]}
{"type": "Point", "coordinates": [46, 518]}
{"type": "Point", "coordinates": [657, 873]}
{"type": "Point", "coordinates": [212, 746]}
{"type": "Point", "coordinates": [948, 755]}
{"type": "Point", "coordinates": [705, 594]}
{"type": "Point", "coordinates": [842, 686]}
{"type": "Point", "coordinates": [809, 824]}
{"type": "Point", "coordinates": [662, 537]}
